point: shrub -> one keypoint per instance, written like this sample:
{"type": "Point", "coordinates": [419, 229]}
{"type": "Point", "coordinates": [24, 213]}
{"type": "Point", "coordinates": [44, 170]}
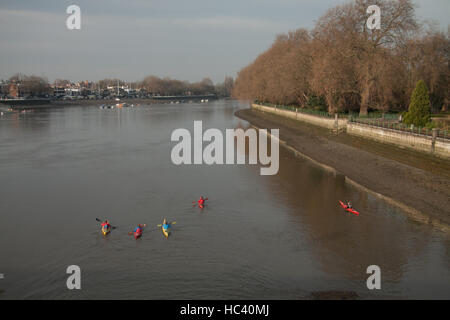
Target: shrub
{"type": "Point", "coordinates": [419, 113]}
{"type": "Point", "coordinates": [317, 103]}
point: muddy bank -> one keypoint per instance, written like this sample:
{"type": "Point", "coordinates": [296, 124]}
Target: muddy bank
{"type": "Point", "coordinates": [416, 182]}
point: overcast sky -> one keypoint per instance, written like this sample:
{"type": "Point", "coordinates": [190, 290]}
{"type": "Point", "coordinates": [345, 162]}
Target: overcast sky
{"type": "Point", "coordinates": [129, 39]}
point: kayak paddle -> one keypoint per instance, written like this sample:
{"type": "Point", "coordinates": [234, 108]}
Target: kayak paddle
{"type": "Point", "coordinates": [142, 226]}
{"type": "Point", "coordinates": [142, 229]}
{"type": "Point", "coordinates": [160, 225]}
{"type": "Point", "coordinates": [102, 221]}
{"type": "Point", "coordinates": [195, 202]}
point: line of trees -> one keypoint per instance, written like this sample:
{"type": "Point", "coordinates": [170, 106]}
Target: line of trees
{"type": "Point", "coordinates": [172, 87]}
{"type": "Point", "coordinates": [36, 86]}
{"type": "Point", "coordinates": [342, 65]}
{"type": "Point", "coordinates": [29, 85]}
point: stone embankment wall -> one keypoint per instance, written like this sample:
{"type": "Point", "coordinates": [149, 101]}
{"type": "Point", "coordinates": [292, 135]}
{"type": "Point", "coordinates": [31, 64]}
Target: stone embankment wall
{"type": "Point", "coordinates": [327, 122]}
{"type": "Point", "coordinates": [438, 146]}
{"type": "Point", "coordinates": [423, 143]}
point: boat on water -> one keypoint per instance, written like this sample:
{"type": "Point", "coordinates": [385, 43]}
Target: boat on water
{"type": "Point", "coordinates": [5, 111]}
{"type": "Point", "coordinates": [124, 105]}
{"type": "Point", "coordinates": [117, 105]}
{"type": "Point", "coordinates": [165, 231]}
{"type": "Point", "coordinates": [106, 230]}
{"type": "Point", "coordinates": [348, 209]}
{"type": "Point", "coordinates": [104, 106]}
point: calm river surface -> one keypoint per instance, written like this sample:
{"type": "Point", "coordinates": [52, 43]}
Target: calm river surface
{"type": "Point", "coordinates": [260, 237]}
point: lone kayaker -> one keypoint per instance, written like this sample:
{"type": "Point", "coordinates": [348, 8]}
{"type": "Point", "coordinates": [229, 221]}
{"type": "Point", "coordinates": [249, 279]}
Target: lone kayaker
{"type": "Point", "coordinates": [349, 205]}
{"type": "Point", "coordinates": [201, 202]}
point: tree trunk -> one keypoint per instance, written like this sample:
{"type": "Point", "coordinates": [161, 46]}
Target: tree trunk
{"type": "Point", "coordinates": [363, 110]}
{"type": "Point", "coordinates": [365, 93]}
{"type": "Point", "coordinates": [330, 102]}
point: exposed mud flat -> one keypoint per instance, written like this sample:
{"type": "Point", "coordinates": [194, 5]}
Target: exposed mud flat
{"type": "Point", "coordinates": [416, 182]}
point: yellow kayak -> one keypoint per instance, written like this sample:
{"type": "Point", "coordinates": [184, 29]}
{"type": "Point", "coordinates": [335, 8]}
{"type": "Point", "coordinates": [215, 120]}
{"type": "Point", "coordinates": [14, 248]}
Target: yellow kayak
{"type": "Point", "coordinates": [105, 230]}
{"type": "Point", "coordinates": [165, 231]}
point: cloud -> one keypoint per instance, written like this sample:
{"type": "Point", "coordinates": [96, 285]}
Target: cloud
{"type": "Point", "coordinates": [235, 23]}
{"type": "Point", "coordinates": [178, 38]}
{"type": "Point", "coordinates": [189, 48]}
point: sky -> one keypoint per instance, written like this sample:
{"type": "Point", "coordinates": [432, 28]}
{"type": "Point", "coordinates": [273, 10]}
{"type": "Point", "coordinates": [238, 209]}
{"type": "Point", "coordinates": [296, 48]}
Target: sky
{"type": "Point", "coordinates": [130, 39]}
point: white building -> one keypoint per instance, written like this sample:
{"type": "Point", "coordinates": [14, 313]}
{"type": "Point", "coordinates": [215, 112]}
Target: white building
{"type": "Point", "coordinates": [73, 91]}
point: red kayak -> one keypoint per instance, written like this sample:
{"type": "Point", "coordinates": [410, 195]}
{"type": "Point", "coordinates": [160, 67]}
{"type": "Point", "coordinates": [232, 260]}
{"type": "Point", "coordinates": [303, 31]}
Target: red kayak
{"type": "Point", "coordinates": [201, 203]}
{"type": "Point", "coordinates": [348, 209]}
{"type": "Point", "coordinates": [138, 233]}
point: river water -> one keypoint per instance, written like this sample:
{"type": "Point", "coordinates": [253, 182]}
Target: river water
{"type": "Point", "coordinates": [260, 237]}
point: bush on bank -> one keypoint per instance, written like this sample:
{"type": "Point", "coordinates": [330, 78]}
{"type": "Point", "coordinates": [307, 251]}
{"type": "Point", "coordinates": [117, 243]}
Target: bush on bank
{"type": "Point", "coordinates": [419, 113]}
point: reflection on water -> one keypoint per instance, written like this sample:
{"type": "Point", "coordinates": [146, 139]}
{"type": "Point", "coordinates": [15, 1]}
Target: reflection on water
{"type": "Point", "coordinates": [278, 237]}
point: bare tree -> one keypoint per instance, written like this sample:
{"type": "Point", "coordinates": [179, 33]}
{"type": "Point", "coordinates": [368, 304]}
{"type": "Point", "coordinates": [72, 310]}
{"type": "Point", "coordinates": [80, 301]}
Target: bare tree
{"type": "Point", "coordinates": [352, 66]}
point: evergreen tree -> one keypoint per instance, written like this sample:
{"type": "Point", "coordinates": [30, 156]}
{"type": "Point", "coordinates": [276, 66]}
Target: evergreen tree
{"type": "Point", "coordinates": [419, 112]}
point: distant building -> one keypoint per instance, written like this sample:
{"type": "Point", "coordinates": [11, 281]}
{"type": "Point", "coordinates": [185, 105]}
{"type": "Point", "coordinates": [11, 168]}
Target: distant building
{"type": "Point", "coordinates": [3, 89]}
{"type": "Point", "coordinates": [59, 91]}
{"type": "Point", "coordinates": [72, 91]}
{"type": "Point", "coordinates": [13, 90]}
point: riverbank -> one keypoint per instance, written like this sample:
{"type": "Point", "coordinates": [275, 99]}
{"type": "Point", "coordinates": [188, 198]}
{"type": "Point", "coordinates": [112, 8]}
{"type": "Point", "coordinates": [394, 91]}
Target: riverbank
{"type": "Point", "coordinates": [382, 130]}
{"type": "Point", "coordinates": [98, 102]}
{"type": "Point", "coordinates": [416, 182]}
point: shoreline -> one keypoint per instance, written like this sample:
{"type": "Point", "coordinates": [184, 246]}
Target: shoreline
{"type": "Point", "coordinates": [408, 186]}
{"type": "Point", "coordinates": [99, 102]}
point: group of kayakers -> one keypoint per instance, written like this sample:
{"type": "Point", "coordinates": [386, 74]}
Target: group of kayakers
{"type": "Point", "coordinates": [106, 226]}
{"type": "Point", "coordinates": [137, 232]}
{"type": "Point", "coordinates": [165, 226]}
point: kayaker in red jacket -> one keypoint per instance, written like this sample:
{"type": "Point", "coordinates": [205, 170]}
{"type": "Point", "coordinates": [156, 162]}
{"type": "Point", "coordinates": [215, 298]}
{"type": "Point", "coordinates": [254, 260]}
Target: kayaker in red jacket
{"type": "Point", "coordinates": [201, 202]}
{"type": "Point", "coordinates": [106, 223]}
